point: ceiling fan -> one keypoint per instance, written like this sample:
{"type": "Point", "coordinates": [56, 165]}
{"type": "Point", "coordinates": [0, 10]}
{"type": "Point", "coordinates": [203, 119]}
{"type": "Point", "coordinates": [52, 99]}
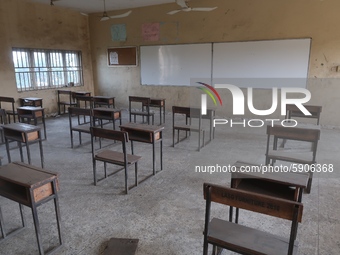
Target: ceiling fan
{"type": "Point", "coordinates": [186, 8]}
{"type": "Point", "coordinates": [52, 2]}
{"type": "Point", "coordinates": [107, 17]}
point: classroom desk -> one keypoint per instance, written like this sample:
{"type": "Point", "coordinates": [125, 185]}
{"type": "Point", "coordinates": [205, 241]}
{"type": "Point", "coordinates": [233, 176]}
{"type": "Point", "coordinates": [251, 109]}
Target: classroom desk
{"type": "Point", "coordinates": [31, 101]}
{"type": "Point", "coordinates": [278, 184]}
{"type": "Point", "coordinates": [104, 101]}
{"type": "Point", "coordinates": [30, 186]}
{"type": "Point", "coordinates": [23, 133]}
{"type": "Point", "coordinates": [110, 114]}
{"type": "Point", "coordinates": [146, 134]}
{"type": "Point", "coordinates": [29, 113]}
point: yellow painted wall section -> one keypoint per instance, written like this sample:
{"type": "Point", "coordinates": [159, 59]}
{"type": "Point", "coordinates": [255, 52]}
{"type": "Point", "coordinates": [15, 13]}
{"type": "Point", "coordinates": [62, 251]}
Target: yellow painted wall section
{"type": "Point", "coordinates": [27, 25]}
{"type": "Point", "coordinates": [233, 20]}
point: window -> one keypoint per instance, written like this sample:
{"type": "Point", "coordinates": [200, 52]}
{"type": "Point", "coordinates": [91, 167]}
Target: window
{"type": "Point", "coordinates": [44, 69]}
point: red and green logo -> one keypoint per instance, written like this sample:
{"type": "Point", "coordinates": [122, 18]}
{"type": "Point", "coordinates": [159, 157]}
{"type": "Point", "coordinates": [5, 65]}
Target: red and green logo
{"type": "Point", "coordinates": [211, 91]}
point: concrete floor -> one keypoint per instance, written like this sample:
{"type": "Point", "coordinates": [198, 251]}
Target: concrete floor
{"type": "Point", "coordinates": [166, 212]}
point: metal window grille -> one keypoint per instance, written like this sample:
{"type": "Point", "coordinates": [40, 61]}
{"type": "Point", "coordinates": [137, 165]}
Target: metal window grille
{"type": "Point", "coordinates": [44, 69]}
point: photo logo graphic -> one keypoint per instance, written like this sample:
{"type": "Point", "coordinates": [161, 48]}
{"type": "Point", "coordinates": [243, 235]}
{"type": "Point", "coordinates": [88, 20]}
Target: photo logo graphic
{"type": "Point", "coordinates": [207, 89]}
{"type": "Point", "coordinates": [239, 103]}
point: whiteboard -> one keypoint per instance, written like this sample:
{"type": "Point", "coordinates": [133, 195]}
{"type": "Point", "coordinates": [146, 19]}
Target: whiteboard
{"type": "Point", "coordinates": [178, 65]}
{"type": "Point", "coordinates": [257, 64]}
{"type": "Point", "coordinates": [262, 64]}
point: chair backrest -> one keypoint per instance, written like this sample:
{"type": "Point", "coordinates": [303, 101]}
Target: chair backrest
{"type": "Point", "coordinates": [294, 133]}
{"type": "Point", "coordinates": [144, 100]}
{"type": "Point", "coordinates": [268, 205]}
{"type": "Point", "coordinates": [294, 111]}
{"type": "Point", "coordinates": [110, 134]}
{"type": "Point", "coordinates": [187, 111]}
{"type": "Point", "coordinates": [85, 99]}
{"type": "Point", "coordinates": [8, 100]}
{"type": "Point", "coordinates": [78, 112]}
{"type": "Point", "coordinates": [68, 93]}
{"type": "Point", "coordinates": [113, 135]}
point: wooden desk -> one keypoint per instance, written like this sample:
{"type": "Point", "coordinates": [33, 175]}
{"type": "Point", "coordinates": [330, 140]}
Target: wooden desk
{"type": "Point", "coordinates": [281, 185]}
{"type": "Point", "coordinates": [29, 113]}
{"type": "Point", "coordinates": [23, 133]}
{"type": "Point", "coordinates": [146, 134]}
{"type": "Point", "coordinates": [31, 101]}
{"type": "Point", "coordinates": [30, 186]}
{"type": "Point", "coordinates": [110, 114]}
{"type": "Point", "coordinates": [104, 101]}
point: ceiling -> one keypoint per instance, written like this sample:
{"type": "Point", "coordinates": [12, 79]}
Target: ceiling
{"type": "Point", "coordinates": [93, 6]}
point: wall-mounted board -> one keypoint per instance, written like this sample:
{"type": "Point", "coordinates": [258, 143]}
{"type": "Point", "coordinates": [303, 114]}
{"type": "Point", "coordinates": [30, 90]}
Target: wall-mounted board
{"type": "Point", "coordinates": [122, 56]}
{"type": "Point", "coordinates": [258, 64]}
{"type": "Point", "coordinates": [176, 65]}
{"type": "Point", "coordinates": [262, 64]}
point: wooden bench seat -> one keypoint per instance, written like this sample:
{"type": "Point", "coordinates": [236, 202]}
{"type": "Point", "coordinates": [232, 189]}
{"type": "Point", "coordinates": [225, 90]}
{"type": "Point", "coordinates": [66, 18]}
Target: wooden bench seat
{"type": "Point", "coordinates": [246, 240]}
{"type": "Point", "coordinates": [115, 157]}
{"type": "Point", "coordinates": [292, 156]}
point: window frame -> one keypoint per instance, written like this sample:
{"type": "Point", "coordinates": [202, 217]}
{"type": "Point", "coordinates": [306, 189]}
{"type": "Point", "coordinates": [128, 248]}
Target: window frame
{"type": "Point", "coordinates": [35, 69]}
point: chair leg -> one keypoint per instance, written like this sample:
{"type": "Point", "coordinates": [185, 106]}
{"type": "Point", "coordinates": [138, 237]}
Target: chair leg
{"type": "Point", "coordinates": [126, 181]}
{"type": "Point", "coordinates": [105, 169]}
{"type": "Point", "coordinates": [173, 137]}
{"type": "Point", "coordinates": [94, 173]}
{"type": "Point", "coordinates": [136, 174]}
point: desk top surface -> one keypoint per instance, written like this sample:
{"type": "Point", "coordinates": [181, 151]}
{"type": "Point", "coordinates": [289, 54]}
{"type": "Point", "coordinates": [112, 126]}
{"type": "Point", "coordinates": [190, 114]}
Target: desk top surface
{"type": "Point", "coordinates": [25, 175]}
{"type": "Point", "coordinates": [21, 127]}
{"type": "Point", "coordinates": [105, 109]}
{"type": "Point", "coordinates": [142, 127]}
{"type": "Point", "coordinates": [32, 98]}
{"type": "Point", "coordinates": [103, 97]}
{"type": "Point", "coordinates": [31, 108]}
{"type": "Point", "coordinates": [291, 179]}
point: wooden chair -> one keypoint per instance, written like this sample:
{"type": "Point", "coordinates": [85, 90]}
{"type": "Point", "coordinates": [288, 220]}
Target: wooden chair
{"type": "Point", "coordinates": [65, 98]}
{"type": "Point", "coordinates": [113, 157]}
{"type": "Point", "coordinates": [145, 102]}
{"type": "Point", "coordinates": [11, 112]}
{"type": "Point", "coordinates": [294, 111]}
{"type": "Point", "coordinates": [243, 239]}
{"type": "Point", "coordinates": [306, 135]}
{"type": "Point", "coordinates": [187, 127]}
{"type": "Point", "coordinates": [80, 128]}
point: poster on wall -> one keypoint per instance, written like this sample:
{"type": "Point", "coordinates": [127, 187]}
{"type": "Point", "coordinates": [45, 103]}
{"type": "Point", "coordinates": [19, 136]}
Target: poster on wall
{"type": "Point", "coordinates": [150, 32]}
{"type": "Point", "coordinates": [118, 32]}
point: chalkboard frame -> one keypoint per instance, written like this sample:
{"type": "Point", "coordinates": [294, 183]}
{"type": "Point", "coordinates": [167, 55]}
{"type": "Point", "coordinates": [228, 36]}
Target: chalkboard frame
{"type": "Point", "coordinates": [127, 56]}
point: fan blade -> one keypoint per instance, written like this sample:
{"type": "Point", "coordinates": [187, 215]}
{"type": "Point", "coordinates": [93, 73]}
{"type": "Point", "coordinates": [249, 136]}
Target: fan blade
{"type": "Point", "coordinates": [173, 12]}
{"type": "Point", "coordinates": [104, 18]}
{"type": "Point", "coordinates": [203, 9]}
{"type": "Point", "coordinates": [121, 15]}
{"type": "Point", "coordinates": [182, 3]}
